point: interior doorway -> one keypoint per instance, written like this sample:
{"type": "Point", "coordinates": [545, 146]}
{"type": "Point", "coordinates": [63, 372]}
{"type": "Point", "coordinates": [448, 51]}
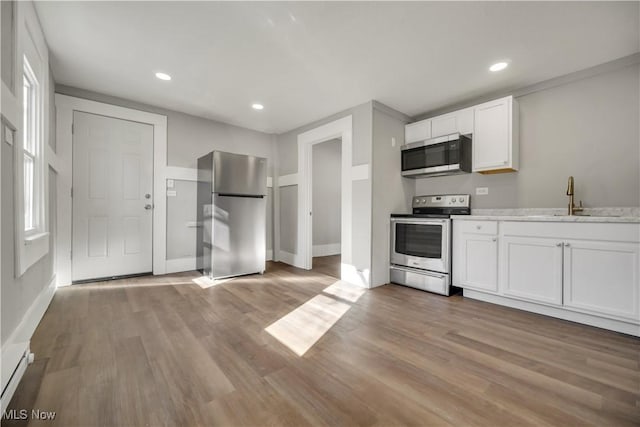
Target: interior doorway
{"type": "Point", "coordinates": [326, 188]}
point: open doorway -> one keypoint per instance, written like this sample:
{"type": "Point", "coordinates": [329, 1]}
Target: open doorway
{"type": "Point", "coordinates": [326, 184]}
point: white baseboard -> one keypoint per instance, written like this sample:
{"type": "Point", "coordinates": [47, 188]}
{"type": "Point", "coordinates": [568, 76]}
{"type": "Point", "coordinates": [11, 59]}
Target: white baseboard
{"type": "Point", "coordinates": [180, 264]}
{"type": "Point", "coordinates": [326, 250]}
{"type": "Point", "coordinates": [291, 259]}
{"type": "Point", "coordinates": [17, 345]}
{"type": "Point", "coordinates": [560, 313]}
{"type": "Point", "coordinates": [270, 255]}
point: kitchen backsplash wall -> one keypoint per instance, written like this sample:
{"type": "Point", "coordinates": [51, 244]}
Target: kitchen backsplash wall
{"type": "Point", "coordinates": [587, 128]}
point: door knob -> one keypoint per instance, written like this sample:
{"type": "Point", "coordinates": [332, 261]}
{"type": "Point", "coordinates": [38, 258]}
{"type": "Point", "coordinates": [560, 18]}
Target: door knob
{"type": "Point", "coordinates": [147, 196]}
{"type": "Point", "coordinates": [147, 207]}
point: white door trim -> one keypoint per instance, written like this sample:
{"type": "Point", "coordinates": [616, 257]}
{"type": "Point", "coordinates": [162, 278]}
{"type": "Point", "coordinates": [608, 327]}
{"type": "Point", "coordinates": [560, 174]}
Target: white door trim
{"type": "Point", "coordinates": [65, 106]}
{"type": "Point", "coordinates": [341, 128]}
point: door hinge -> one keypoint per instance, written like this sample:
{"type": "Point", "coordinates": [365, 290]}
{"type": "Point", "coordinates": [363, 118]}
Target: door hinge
{"type": "Point", "coordinates": [71, 191]}
{"type": "Point", "coordinates": [72, 129]}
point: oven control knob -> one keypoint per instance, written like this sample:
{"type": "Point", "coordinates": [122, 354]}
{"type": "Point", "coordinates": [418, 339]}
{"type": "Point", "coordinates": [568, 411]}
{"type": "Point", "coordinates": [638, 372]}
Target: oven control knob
{"type": "Point", "coordinates": [461, 199]}
{"type": "Point", "coordinates": [423, 201]}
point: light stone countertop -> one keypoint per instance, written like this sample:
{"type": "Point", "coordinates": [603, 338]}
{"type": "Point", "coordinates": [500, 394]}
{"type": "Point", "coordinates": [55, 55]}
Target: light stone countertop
{"type": "Point", "coordinates": [606, 215]}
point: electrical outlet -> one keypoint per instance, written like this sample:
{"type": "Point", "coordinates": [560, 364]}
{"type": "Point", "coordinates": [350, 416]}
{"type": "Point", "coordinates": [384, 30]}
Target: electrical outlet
{"type": "Point", "coordinates": [482, 191]}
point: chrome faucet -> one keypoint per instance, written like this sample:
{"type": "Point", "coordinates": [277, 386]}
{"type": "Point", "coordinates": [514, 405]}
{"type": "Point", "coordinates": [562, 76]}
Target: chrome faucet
{"type": "Point", "coordinates": [572, 208]}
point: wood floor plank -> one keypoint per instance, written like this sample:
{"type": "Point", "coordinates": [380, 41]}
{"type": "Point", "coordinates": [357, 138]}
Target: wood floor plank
{"type": "Point", "coordinates": [164, 351]}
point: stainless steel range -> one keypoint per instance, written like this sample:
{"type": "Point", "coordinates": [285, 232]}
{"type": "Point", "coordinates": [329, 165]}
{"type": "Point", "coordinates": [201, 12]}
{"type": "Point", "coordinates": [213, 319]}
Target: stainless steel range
{"type": "Point", "coordinates": [421, 242]}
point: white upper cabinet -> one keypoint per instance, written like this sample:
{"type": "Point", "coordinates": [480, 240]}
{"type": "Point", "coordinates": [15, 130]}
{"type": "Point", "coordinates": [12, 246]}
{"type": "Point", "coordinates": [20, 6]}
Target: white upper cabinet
{"type": "Point", "coordinates": [495, 136]}
{"type": "Point", "coordinates": [418, 131]}
{"type": "Point", "coordinates": [460, 121]}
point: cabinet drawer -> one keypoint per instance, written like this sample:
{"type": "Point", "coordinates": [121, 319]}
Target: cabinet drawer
{"type": "Point", "coordinates": [478, 227]}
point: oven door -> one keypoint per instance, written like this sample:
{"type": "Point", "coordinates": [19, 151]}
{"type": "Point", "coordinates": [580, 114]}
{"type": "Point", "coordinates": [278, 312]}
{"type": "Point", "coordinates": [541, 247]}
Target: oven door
{"type": "Point", "coordinates": [421, 243]}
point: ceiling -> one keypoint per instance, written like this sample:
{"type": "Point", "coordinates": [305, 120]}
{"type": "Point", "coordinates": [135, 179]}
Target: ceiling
{"type": "Point", "coordinates": [307, 60]}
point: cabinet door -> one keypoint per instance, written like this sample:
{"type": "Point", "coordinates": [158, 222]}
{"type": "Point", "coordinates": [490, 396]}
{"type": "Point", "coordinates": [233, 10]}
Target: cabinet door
{"type": "Point", "coordinates": [532, 269]}
{"type": "Point", "coordinates": [444, 125]}
{"type": "Point", "coordinates": [476, 262]}
{"type": "Point", "coordinates": [418, 131]}
{"type": "Point", "coordinates": [492, 135]}
{"type": "Point", "coordinates": [464, 119]}
{"type": "Point", "coordinates": [602, 278]}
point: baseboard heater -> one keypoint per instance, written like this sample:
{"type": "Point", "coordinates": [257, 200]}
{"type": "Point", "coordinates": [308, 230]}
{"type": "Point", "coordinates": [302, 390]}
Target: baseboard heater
{"type": "Point", "coordinates": [10, 388]}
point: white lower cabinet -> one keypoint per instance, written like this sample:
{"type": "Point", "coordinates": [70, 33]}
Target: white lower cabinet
{"type": "Point", "coordinates": [532, 269]}
{"type": "Point", "coordinates": [476, 261]}
{"type": "Point", "coordinates": [577, 271]}
{"type": "Point", "coordinates": [602, 277]}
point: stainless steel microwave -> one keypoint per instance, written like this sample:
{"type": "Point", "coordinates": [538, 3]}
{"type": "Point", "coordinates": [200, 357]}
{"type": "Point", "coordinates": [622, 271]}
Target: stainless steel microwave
{"type": "Point", "coordinates": [445, 155]}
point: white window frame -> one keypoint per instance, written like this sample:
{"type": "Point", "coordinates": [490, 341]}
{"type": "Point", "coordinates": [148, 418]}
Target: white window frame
{"type": "Point", "coordinates": [32, 244]}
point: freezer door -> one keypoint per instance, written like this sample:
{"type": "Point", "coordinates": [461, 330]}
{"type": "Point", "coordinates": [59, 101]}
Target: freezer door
{"type": "Point", "coordinates": [239, 174]}
{"type": "Point", "coordinates": [238, 236]}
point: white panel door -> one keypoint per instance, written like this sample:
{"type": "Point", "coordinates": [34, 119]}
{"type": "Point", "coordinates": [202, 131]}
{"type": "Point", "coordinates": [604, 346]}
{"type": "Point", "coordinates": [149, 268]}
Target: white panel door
{"type": "Point", "coordinates": [112, 197]}
{"type": "Point", "coordinates": [476, 262]}
{"type": "Point", "coordinates": [491, 139]}
{"type": "Point", "coordinates": [532, 269]}
{"type": "Point", "coordinates": [602, 278]}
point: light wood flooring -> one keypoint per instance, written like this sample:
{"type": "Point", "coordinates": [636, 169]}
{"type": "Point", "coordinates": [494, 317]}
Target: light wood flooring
{"type": "Point", "coordinates": [329, 265]}
{"type": "Point", "coordinates": [156, 351]}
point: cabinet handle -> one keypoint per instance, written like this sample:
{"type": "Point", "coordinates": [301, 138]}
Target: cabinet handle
{"type": "Point", "coordinates": [559, 244]}
{"type": "Point", "coordinates": [567, 245]}
{"type": "Point", "coordinates": [478, 227]}
{"type": "Point", "coordinates": [495, 239]}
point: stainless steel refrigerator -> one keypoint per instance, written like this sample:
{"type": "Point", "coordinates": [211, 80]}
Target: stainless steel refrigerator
{"type": "Point", "coordinates": [231, 214]}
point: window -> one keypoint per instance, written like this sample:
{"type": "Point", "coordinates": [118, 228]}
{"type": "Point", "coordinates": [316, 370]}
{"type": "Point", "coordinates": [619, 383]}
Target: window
{"type": "Point", "coordinates": [31, 147]}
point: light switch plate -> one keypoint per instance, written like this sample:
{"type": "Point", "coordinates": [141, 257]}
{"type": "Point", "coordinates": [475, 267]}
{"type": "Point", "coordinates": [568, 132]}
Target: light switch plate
{"type": "Point", "coordinates": [482, 191]}
{"type": "Point", "coordinates": [170, 183]}
{"type": "Point", "coordinates": [8, 135]}
{"type": "Point", "coordinates": [171, 193]}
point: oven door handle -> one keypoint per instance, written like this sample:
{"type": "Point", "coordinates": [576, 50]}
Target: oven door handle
{"type": "Point", "coordinates": [430, 221]}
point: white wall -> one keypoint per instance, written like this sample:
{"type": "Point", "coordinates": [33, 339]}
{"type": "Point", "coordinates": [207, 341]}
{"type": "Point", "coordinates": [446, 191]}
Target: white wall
{"type": "Point", "coordinates": [327, 173]}
{"type": "Point", "coordinates": [286, 200]}
{"type": "Point", "coordinates": [23, 298]}
{"type": "Point", "coordinates": [189, 137]}
{"type": "Point", "coordinates": [391, 192]}
{"type": "Point", "coordinates": [585, 127]}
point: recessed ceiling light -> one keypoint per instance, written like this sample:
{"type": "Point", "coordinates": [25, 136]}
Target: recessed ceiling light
{"type": "Point", "coordinates": [257, 106]}
{"type": "Point", "coordinates": [163, 76]}
{"type": "Point", "coordinates": [499, 66]}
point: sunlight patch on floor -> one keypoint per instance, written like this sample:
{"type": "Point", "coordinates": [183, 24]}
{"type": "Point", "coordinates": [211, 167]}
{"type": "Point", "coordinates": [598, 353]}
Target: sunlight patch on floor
{"type": "Point", "coordinates": [345, 290]}
{"type": "Point", "coordinates": [300, 329]}
{"type": "Point", "coordinates": [206, 282]}
{"type": "Point", "coordinates": [303, 327]}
